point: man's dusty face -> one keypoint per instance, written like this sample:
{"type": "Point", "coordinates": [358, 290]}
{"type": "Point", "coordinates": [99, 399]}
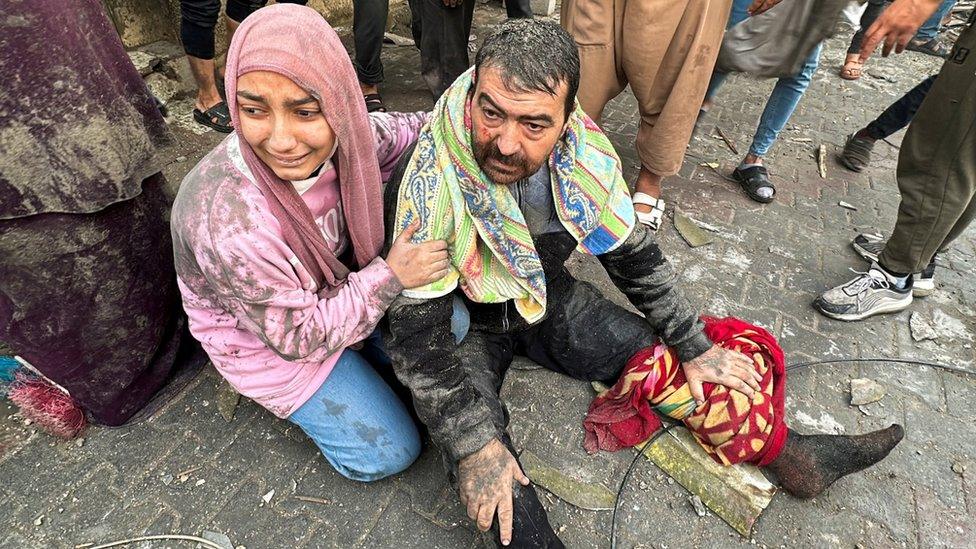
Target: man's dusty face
{"type": "Point", "coordinates": [513, 132]}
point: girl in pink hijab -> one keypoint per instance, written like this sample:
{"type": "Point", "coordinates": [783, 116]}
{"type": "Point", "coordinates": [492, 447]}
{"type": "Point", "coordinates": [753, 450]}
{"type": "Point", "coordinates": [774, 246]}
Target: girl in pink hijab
{"type": "Point", "coordinates": [277, 235]}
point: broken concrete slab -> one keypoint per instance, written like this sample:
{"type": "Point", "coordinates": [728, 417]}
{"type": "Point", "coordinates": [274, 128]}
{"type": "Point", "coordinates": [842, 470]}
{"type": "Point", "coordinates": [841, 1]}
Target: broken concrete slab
{"type": "Point", "coordinates": [737, 494]}
{"type": "Point", "coordinates": [921, 328]}
{"type": "Point", "coordinates": [694, 235]}
{"type": "Point", "coordinates": [593, 497]}
{"type": "Point", "coordinates": [865, 391]}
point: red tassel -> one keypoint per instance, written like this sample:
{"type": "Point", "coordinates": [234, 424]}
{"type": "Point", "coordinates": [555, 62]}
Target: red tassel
{"type": "Point", "coordinates": [48, 407]}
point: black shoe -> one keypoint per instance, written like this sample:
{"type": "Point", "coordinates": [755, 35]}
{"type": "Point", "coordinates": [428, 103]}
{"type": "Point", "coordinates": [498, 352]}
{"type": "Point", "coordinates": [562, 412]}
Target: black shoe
{"type": "Point", "coordinates": [870, 246]}
{"type": "Point", "coordinates": [753, 180]}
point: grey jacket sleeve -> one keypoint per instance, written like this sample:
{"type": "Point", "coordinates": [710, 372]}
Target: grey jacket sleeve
{"type": "Point", "coordinates": [423, 351]}
{"type": "Point", "coordinates": [640, 270]}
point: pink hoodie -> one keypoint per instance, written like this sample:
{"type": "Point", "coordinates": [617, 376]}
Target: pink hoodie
{"type": "Point", "coordinates": [251, 303]}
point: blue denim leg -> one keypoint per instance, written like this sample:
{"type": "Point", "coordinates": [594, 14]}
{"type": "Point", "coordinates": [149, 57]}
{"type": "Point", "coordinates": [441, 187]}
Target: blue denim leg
{"type": "Point", "coordinates": [359, 424]}
{"type": "Point", "coordinates": [736, 16]}
{"type": "Point", "coordinates": [782, 102]}
{"type": "Point", "coordinates": [930, 29]}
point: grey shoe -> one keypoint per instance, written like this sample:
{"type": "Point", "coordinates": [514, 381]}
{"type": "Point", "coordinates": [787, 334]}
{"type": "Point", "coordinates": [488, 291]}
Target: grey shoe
{"type": "Point", "coordinates": [869, 246]}
{"type": "Point", "coordinates": [869, 294]}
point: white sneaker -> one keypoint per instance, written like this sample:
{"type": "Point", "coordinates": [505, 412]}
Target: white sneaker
{"type": "Point", "coordinates": [869, 294]}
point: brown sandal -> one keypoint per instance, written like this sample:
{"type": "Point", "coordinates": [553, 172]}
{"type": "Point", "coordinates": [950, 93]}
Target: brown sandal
{"type": "Point", "coordinates": [851, 69]}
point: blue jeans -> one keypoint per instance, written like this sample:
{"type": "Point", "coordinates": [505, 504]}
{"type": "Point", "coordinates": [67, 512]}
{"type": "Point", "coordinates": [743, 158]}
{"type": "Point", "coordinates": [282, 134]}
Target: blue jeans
{"type": "Point", "coordinates": [930, 29]}
{"type": "Point", "coordinates": [358, 423]}
{"type": "Point", "coordinates": [784, 98]}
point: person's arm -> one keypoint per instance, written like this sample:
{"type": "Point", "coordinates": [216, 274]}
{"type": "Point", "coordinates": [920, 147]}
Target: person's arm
{"type": "Point", "coordinates": [257, 277]}
{"type": "Point", "coordinates": [896, 26]}
{"type": "Point", "coordinates": [640, 270]}
{"type": "Point", "coordinates": [263, 290]}
{"type": "Point", "coordinates": [393, 133]}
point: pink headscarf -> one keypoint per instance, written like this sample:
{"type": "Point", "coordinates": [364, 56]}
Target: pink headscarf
{"type": "Point", "coordinates": [295, 41]}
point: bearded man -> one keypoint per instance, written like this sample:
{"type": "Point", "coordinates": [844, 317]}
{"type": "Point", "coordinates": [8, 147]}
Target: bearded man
{"type": "Point", "coordinates": [514, 176]}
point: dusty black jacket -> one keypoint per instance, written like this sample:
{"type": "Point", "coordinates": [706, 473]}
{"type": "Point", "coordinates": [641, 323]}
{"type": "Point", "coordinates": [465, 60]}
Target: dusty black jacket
{"type": "Point", "coordinates": [422, 347]}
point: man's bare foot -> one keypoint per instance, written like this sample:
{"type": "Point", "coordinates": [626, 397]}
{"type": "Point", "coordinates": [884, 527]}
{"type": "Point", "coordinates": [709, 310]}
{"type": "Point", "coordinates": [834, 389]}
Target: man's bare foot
{"type": "Point", "coordinates": [369, 88]}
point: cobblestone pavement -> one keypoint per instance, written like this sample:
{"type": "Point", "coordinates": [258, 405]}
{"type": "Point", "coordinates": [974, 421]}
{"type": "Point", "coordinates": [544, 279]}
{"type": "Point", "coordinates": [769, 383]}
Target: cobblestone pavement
{"type": "Point", "coordinates": [187, 470]}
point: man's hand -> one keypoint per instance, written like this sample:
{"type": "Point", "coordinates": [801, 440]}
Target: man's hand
{"type": "Point", "coordinates": [896, 26]}
{"type": "Point", "coordinates": [759, 6]}
{"type": "Point", "coordinates": [485, 482]}
{"type": "Point", "coordinates": [720, 365]}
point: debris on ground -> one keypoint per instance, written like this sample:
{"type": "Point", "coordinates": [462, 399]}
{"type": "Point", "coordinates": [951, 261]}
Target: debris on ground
{"type": "Point", "coordinates": [958, 467]}
{"type": "Point", "coordinates": [217, 537]}
{"type": "Point", "coordinates": [737, 494]}
{"type": "Point", "coordinates": [937, 325]}
{"type": "Point", "coordinates": [697, 504]}
{"type": "Point", "coordinates": [227, 400]}
{"type": "Point", "coordinates": [311, 499]}
{"type": "Point", "coordinates": [728, 142]}
{"type": "Point", "coordinates": [921, 327]}
{"type": "Point", "coordinates": [712, 165]}
{"type": "Point", "coordinates": [397, 40]}
{"type": "Point", "coordinates": [847, 206]}
{"type": "Point", "coordinates": [865, 391]}
{"type": "Point", "coordinates": [267, 497]}
{"type": "Point", "coordinates": [593, 497]}
{"type": "Point", "coordinates": [694, 235]}
{"type": "Point", "coordinates": [822, 161]}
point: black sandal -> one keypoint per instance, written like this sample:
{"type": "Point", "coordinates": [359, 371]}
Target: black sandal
{"type": "Point", "coordinates": [216, 117]}
{"type": "Point", "coordinates": [752, 179]}
{"type": "Point", "coordinates": [374, 103]}
{"type": "Point", "coordinates": [934, 47]}
{"type": "Point", "coordinates": [857, 153]}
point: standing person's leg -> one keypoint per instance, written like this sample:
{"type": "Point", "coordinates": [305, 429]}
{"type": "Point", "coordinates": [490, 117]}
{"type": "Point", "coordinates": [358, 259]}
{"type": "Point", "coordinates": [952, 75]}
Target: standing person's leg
{"type": "Point", "coordinates": [738, 14]}
{"type": "Point", "coordinates": [518, 9]}
{"type": "Point", "coordinates": [937, 165]}
{"type": "Point", "coordinates": [852, 64]}
{"type": "Point", "coordinates": [857, 150]}
{"type": "Point", "coordinates": [443, 41]}
{"type": "Point", "coordinates": [368, 27]}
{"type": "Point", "coordinates": [198, 18]}
{"type": "Point", "coordinates": [937, 181]}
{"type": "Point", "coordinates": [595, 26]}
{"type": "Point", "coordinates": [358, 423]}
{"type": "Point", "coordinates": [786, 95]}
{"type": "Point", "coordinates": [669, 79]}
{"type": "Point", "coordinates": [927, 39]}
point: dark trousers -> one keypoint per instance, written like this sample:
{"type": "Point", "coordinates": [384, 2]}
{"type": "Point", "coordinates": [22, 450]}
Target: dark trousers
{"type": "Point", "coordinates": [198, 19]}
{"type": "Point", "coordinates": [585, 336]}
{"type": "Point", "coordinates": [518, 9]}
{"type": "Point", "coordinates": [368, 26]}
{"type": "Point", "coordinates": [441, 34]}
{"type": "Point", "coordinates": [872, 12]}
{"type": "Point", "coordinates": [900, 113]}
{"type": "Point", "coordinates": [937, 165]}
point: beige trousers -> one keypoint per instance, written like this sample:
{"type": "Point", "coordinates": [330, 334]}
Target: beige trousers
{"type": "Point", "coordinates": [665, 50]}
